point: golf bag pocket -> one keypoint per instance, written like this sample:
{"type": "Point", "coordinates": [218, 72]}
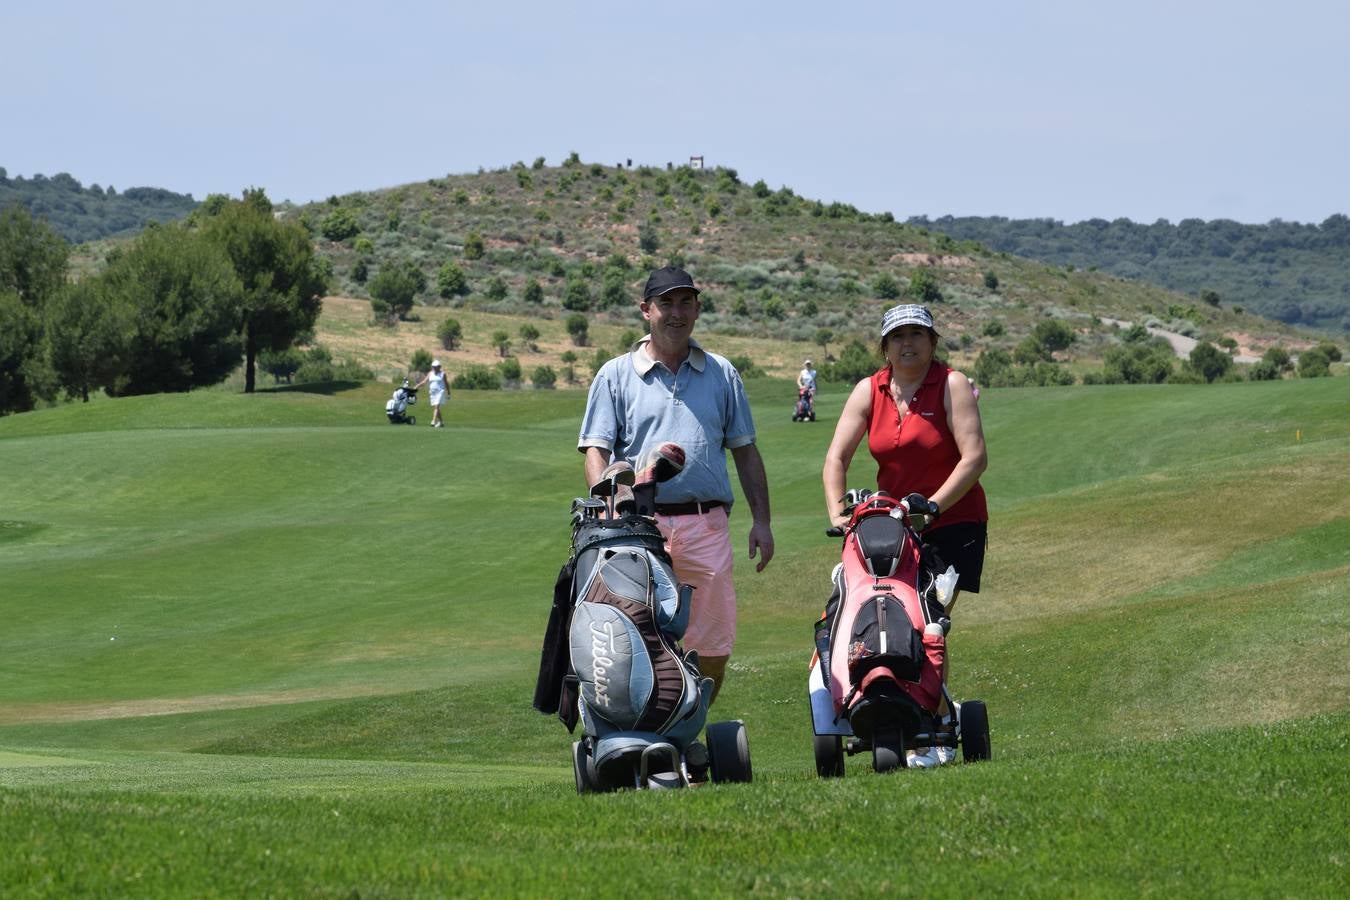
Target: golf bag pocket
{"type": "Point", "coordinates": [883, 636]}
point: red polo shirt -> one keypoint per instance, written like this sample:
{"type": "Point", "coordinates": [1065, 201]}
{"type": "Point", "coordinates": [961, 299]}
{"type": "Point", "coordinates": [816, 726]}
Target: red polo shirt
{"type": "Point", "coordinates": [919, 452]}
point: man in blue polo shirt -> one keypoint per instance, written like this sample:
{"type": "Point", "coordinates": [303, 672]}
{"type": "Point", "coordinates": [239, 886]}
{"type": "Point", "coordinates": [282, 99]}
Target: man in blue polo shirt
{"type": "Point", "coordinates": [671, 389]}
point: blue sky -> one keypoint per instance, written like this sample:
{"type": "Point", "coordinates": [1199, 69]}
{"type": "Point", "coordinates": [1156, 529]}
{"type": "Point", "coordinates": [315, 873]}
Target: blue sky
{"type": "Point", "coordinates": [1071, 110]}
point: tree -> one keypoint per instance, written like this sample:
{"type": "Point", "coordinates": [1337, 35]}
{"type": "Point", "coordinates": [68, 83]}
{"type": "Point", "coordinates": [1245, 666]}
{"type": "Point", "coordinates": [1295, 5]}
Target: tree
{"type": "Point", "coordinates": [1209, 362]}
{"type": "Point", "coordinates": [502, 341]}
{"type": "Point", "coordinates": [450, 333]}
{"type": "Point", "coordinates": [824, 337]}
{"type": "Point", "coordinates": [1053, 335]}
{"type": "Point", "coordinates": [578, 327]}
{"type": "Point", "coordinates": [87, 337]}
{"type": "Point", "coordinates": [569, 361]}
{"type": "Point", "coordinates": [528, 335]}
{"type": "Point", "coordinates": [496, 288]}
{"type": "Point", "coordinates": [1209, 297]}
{"type": "Point", "coordinates": [185, 303]}
{"type": "Point", "coordinates": [420, 362]}
{"type": "Point", "coordinates": [283, 281]}
{"type": "Point", "coordinates": [451, 281]}
{"type": "Point", "coordinates": [32, 269]}
{"type": "Point", "coordinates": [991, 281]}
{"type": "Point", "coordinates": [394, 288]}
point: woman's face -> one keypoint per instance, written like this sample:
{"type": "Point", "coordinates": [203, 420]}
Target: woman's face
{"type": "Point", "coordinates": [910, 347]}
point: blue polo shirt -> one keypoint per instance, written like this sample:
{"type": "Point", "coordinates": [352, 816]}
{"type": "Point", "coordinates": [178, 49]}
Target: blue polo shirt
{"type": "Point", "coordinates": [636, 403]}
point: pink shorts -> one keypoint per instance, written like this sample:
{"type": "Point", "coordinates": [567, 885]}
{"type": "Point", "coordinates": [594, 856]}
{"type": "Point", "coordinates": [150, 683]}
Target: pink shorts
{"type": "Point", "coordinates": [700, 547]}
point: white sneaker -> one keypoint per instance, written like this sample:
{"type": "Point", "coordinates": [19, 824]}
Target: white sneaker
{"type": "Point", "coordinates": [926, 758]}
{"type": "Point", "coordinates": [945, 755]}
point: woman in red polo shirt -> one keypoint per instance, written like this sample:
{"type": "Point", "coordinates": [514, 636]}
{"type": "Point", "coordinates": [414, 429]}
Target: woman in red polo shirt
{"type": "Point", "coordinates": [923, 428]}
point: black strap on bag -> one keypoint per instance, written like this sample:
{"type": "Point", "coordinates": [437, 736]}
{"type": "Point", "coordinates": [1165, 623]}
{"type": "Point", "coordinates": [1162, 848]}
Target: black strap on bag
{"type": "Point", "coordinates": [555, 657]}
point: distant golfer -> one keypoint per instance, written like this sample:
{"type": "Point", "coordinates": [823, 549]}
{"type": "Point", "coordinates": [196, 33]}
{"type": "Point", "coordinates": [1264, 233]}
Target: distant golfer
{"type": "Point", "coordinates": [440, 391]}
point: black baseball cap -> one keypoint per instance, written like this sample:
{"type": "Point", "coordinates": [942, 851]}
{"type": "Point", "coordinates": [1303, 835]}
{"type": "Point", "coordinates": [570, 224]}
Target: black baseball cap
{"type": "Point", "coordinates": [667, 279]}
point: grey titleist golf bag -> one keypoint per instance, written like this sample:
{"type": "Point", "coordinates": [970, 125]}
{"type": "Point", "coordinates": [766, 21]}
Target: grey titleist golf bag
{"type": "Point", "coordinates": [620, 614]}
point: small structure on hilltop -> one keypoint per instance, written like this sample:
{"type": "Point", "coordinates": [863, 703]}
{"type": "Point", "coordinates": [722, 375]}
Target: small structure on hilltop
{"type": "Point", "coordinates": [695, 162]}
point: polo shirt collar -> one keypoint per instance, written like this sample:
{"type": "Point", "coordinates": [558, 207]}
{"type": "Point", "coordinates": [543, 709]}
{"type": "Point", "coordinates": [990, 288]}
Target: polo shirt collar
{"type": "Point", "coordinates": [644, 363]}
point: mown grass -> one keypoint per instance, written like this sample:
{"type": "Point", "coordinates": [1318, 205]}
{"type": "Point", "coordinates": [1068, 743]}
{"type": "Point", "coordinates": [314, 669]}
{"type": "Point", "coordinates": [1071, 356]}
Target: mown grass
{"type": "Point", "coordinates": [326, 634]}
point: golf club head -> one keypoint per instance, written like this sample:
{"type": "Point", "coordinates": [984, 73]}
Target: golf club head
{"type": "Point", "coordinates": [625, 503]}
{"type": "Point", "coordinates": [661, 464]}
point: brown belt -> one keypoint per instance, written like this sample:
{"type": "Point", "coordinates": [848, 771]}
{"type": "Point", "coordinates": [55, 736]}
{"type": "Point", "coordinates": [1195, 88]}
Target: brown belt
{"type": "Point", "coordinates": [692, 508]}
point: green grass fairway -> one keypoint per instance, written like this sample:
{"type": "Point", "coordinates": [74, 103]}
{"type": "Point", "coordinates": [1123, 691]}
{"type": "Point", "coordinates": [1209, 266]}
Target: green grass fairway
{"type": "Point", "coordinates": [271, 645]}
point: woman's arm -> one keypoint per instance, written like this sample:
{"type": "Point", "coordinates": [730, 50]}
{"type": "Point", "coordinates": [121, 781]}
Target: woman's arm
{"type": "Point", "coordinates": [963, 418]}
{"type": "Point", "coordinates": [847, 433]}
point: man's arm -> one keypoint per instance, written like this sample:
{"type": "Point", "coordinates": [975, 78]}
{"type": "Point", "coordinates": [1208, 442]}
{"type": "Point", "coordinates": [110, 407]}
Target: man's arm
{"type": "Point", "coordinates": [597, 458]}
{"type": "Point", "coordinates": [755, 486]}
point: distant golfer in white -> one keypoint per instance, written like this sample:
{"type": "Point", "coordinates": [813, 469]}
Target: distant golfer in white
{"type": "Point", "coordinates": [440, 391]}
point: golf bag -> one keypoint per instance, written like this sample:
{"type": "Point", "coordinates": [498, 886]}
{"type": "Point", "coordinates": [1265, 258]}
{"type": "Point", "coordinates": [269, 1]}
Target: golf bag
{"type": "Point", "coordinates": [877, 675]}
{"type": "Point", "coordinates": [396, 407]}
{"type": "Point", "coordinates": [612, 660]}
{"type": "Point", "coordinates": [805, 410]}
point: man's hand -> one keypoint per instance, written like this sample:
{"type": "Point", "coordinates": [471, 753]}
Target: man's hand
{"type": "Point", "coordinates": [761, 540]}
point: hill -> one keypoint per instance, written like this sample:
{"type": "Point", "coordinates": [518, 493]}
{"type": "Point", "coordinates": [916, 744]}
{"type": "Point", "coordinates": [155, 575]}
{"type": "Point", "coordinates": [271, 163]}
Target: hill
{"type": "Point", "coordinates": [271, 644]}
{"type": "Point", "coordinates": [539, 242]}
{"type": "Point", "coordinates": [1292, 272]}
{"type": "Point", "coordinates": [81, 214]}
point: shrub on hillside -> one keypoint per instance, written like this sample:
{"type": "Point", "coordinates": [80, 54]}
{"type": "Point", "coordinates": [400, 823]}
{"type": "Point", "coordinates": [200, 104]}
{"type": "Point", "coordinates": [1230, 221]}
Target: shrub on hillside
{"type": "Point", "coordinates": [450, 333]}
{"type": "Point", "coordinates": [578, 328]}
{"type": "Point", "coordinates": [339, 225]}
{"type": "Point", "coordinates": [1313, 364]}
{"type": "Point", "coordinates": [477, 378]}
{"type": "Point", "coordinates": [886, 286]}
{"type": "Point", "coordinates": [746, 366]}
{"type": "Point", "coordinates": [924, 286]}
{"type": "Point", "coordinates": [281, 364]}
{"type": "Point", "coordinates": [576, 295]}
{"type": "Point", "coordinates": [451, 281]}
{"type": "Point", "coordinates": [510, 370]}
{"type": "Point", "coordinates": [420, 362]}
{"type": "Point", "coordinates": [473, 246]}
{"type": "Point", "coordinates": [1209, 362]}
{"type": "Point", "coordinates": [855, 363]}
{"type": "Point", "coordinates": [533, 292]}
{"type": "Point", "coordinates": [544, 378]}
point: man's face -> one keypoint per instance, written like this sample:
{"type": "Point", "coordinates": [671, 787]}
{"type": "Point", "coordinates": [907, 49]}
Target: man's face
{"type": "Point", "coordinates": [672, 315]}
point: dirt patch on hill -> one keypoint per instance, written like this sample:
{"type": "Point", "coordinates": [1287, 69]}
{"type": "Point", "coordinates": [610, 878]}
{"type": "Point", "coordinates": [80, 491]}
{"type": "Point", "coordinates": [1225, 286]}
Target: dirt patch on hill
{"type": "Point", "coordinates": [930, 259]}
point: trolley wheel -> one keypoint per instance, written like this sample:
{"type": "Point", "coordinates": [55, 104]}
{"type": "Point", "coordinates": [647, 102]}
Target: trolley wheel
{"type": "Point", "coordinates": [888, 750]}
{"type": "Point", "coordinates": [583, 767]}
{"type": "Point", "coordinates": [974, 725]}
{"type": "Point", "coordinates": [829, 755]}
{"type": "Point", "coordinates": [728, 752]}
